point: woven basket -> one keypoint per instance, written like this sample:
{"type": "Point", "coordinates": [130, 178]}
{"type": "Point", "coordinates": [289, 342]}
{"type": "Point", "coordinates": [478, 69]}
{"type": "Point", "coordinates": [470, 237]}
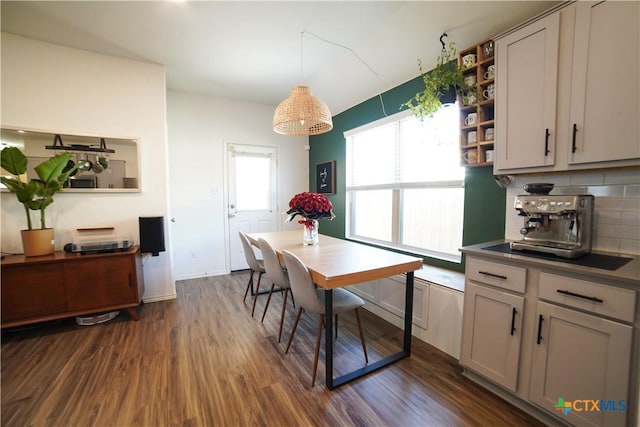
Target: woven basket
{"type": "Point", "coordinates": [302, 114]}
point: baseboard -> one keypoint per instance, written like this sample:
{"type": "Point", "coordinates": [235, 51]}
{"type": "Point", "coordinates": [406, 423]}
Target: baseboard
{"type": "Point", "coordinates": [526, 407]}
{"type": "Point", "coordinates": [156, 298]}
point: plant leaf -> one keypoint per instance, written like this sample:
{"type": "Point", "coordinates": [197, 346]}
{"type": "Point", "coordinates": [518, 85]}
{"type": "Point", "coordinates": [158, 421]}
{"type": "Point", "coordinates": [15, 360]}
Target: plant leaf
{"type": "Point", "coordinates": [52, 168]}
{"type": "Point", "coordinates": [13, 160]}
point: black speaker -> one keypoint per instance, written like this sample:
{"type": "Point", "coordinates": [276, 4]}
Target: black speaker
{"type": "Point", "coordinates": [151, 234]}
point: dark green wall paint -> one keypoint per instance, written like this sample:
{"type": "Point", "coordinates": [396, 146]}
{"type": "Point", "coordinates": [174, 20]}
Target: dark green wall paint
{"type": "Point", "coordinates": [484, 200]}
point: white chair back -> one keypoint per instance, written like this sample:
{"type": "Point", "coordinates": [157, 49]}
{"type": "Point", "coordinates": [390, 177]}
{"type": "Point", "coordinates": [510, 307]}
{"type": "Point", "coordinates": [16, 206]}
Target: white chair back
{"type": "Point", "coordinates": [274, 269]}
{"type": "Point", "coordinates": [249, 254]}
{"type": "Point", "coordinates": [302, 286]}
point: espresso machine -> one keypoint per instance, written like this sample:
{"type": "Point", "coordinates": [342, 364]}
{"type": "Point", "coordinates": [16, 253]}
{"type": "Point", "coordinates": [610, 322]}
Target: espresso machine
{"type": "Point", "coordinates": [560, 224]}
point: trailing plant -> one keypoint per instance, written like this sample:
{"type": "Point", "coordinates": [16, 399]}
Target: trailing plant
{"type": "Point", "coordinates": [35, 194]}
{"type": "Point", "coordinates": [446, 76]}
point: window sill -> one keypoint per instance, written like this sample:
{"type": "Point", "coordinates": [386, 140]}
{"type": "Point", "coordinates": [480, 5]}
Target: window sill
{"type": "Point", "coordinates": [441, 276]}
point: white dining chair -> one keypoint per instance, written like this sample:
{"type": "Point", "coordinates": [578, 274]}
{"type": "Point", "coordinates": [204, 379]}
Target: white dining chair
{"type": "Point", "coordinates": [278, 276]}
{"type": "Point", "coordinates": [310, 299]}
{"type": "Point", "coordinates": [255, 265]}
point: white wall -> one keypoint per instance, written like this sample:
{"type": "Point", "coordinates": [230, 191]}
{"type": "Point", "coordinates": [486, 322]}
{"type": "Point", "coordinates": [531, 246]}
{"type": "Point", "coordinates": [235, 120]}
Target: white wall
{"type": "Point", "coordinates": [199, 128]}
{"type": "Point", "coordinates": [617, 205]}
{"type": "Point", "coordinates": [53, 88]}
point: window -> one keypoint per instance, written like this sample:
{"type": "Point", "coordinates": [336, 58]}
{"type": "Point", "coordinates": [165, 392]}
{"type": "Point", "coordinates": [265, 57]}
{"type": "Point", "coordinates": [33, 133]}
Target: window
{"type": "Point", "coordinates": [405, 185]}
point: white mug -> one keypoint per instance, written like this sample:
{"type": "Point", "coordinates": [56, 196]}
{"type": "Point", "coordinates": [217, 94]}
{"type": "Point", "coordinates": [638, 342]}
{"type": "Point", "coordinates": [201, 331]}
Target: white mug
{"type": "Point", "coordinates": [488, 134]}
{"type": "Point", "coordinates": [490, 92]}
{"type": "Point", "coordinates": [470, 156]}
{"type": "Point", "coordinates": [471, 119]}
{"type": "Point", "coordinates": [487, 49]}
{"type": "Point", "coordinates": [470, 80]}
{"type": "Point", "coordinates": [488, 156]}
{"type": "Point", "coordinates": [490, 73]}
{"type": "Point", "coordinates": [469, 60]}
{"type": "Point", "coordinates": [470, 98]}
{"type": "Point", "coordinates": [472, 137]}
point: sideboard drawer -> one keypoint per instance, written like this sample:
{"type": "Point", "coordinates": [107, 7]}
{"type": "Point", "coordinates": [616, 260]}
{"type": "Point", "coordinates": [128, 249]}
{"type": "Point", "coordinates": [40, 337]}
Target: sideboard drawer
{"type": "Point", "coordinates": [497, 274]}
{"type": "Point", "coordinates": [29, 292]}
{"type": "Point", "coordinates": [618, 303]}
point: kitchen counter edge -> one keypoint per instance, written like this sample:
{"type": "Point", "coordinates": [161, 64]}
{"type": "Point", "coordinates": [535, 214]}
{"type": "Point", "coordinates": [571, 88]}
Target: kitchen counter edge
{"type": "Point", "coordinates": [627, 275]}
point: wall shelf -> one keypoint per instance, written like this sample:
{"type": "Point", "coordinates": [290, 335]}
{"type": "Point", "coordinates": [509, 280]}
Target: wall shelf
{"type": "Point", "coordinates": [474, 144]}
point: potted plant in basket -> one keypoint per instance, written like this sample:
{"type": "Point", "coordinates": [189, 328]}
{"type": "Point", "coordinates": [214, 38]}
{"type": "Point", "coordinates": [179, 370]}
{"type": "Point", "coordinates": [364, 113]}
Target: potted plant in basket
{"type": "Point", "coordinates": [35, 194]}
{"type": "Point", "coordinates": [312, 207]}
{"type": "Point", "coordinates": [445, 78]}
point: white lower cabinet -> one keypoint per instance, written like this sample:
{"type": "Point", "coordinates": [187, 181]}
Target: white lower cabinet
{"type": "Point", "coordinates": [492, 333]}
{"type": "Point", "coordinates": [437, 310]}
{"type": "Point", "coordinates": [560, 346]}
{"type": "Point", "coordinates": [579, 359]}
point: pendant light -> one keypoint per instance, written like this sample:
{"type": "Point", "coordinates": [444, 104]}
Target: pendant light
{"type": "Point", "coordinates": [302, 113]}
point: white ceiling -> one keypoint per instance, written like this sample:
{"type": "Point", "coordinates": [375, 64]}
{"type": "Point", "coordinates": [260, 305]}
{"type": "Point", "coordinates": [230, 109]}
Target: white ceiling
{"type": "Point", "coordinates": [251, 51]}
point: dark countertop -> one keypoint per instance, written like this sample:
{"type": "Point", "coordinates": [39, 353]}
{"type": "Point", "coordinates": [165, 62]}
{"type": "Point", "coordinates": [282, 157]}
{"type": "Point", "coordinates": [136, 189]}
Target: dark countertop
{"type": "Point", "coordinates": [628, 275]}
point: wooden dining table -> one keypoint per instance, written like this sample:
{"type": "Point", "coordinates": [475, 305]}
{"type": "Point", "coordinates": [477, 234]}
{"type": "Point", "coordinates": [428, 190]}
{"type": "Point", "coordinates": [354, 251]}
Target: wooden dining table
{"type": "Point", "coordinates": [336, 263]}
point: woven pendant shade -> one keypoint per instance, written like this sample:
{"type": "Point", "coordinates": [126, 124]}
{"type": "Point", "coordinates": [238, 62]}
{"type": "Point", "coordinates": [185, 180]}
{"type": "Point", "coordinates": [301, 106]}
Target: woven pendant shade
{"type": "Point", "coordinates": [302, 114]}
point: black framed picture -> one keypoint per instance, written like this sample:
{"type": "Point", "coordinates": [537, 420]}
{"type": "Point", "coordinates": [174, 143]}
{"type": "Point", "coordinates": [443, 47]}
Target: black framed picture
{"type": "Point", "coordinates": [325, 177]}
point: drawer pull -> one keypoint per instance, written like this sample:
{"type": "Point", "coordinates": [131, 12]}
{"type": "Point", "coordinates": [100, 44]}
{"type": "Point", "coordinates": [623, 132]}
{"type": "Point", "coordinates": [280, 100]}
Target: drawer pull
{"type": "Point", "coordinates": [546, 142]}
{"type": "Point", "coordinates": [497, 276]}
{"type": "Point", "coordinates": [513, 320]}
{"type": "Point", "coordinates": [540, 320]}
{"type": "Point", "coordinates": [594, 299]}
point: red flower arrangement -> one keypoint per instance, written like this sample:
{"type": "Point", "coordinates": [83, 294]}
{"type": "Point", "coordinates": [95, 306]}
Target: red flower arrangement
{"type": "Point", "coordinates": [310, 206]}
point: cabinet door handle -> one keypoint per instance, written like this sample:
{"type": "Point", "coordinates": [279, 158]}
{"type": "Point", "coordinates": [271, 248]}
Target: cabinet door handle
{"type": "Point", "coordinates": [130, 281]}
{"type": "Point", "coordinates": [564, 292]}
{"type": "Point", "coordinates": [546, 142]}
{"type": "Point", "coordinates": [540, 320]}
{"type": "Point", "coordinates": [497, 276]}
{"type": "Point", "coordinates": [513, 320]}
{"type": "Point", "coordinates": [573, 139]}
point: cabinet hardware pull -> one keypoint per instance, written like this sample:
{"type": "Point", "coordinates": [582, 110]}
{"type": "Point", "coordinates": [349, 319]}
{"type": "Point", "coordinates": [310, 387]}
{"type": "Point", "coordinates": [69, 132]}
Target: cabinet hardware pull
{"type": "Point", "coordinates": [546, 142]}
{"type": "Point", "coordinates": [513, 319]}
{"type": "Point", "coordinates": [130, 281]}
{"type": "Point", "coordinates": [594, 299]}
{"type": "Point", "coordinates": [497, 276]}
{"type": "Point", "coordinates": [540, 320]}
{"type": "Point", "coordinates": [573, 141]}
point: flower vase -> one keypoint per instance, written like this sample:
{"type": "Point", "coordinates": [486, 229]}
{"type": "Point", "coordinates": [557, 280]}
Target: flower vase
{"type": "Point", "coordinates": [310, 232]}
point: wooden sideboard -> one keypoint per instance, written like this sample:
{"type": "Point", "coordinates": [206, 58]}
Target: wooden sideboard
{"type": "Point", "coordinates": [36, 289]}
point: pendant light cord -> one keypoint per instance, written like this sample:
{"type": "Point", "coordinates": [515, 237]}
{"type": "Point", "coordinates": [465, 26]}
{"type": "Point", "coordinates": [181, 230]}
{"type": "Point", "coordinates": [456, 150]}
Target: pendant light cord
{"type": "Point", "coordinates": [352, 52]}
{"type": "Point", "coordinates": [301, 54]}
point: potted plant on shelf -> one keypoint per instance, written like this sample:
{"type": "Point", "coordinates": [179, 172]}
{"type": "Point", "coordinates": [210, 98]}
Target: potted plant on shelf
{"type": "Point", "coordinates": [35, 194]}
{"type": "Point", "coordinates": [445, 79]}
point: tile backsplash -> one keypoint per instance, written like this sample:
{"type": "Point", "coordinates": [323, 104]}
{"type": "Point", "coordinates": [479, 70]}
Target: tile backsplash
{"type": "Point", "coordinates": [617, 205]}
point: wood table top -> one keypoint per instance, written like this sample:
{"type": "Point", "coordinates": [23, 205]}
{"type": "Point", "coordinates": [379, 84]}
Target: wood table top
{"type": "Point", "coordinates": [335, 262]}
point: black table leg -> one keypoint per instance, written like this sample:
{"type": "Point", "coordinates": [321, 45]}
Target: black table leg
{"type": "Point", "coordinates": [406, 345]}
{"type": "Point", "coordinates": [328, 337]}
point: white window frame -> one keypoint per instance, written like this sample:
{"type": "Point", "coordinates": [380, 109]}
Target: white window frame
{"type": "Point", "coordinates": [397, 193]}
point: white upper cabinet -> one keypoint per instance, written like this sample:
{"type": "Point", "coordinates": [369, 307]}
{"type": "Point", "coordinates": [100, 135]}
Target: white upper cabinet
{"type": "Point", "coordinates": [568, 90]}
{"type": "Point", "coordinates": [526, 80]}
{"type": "Point", "coordinates": [605, 84]}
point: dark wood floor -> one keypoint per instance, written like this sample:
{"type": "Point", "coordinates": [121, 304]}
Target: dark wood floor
{"type": "Point", "coordinates": [201, 360]}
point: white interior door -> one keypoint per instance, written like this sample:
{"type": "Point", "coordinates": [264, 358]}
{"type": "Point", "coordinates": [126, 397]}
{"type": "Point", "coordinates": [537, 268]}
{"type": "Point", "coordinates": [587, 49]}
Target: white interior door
{"type": "Point", "coordinates": [252, 202]}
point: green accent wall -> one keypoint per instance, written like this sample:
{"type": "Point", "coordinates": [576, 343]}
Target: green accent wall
{"type": "Point", "coordinates": [484, 201]}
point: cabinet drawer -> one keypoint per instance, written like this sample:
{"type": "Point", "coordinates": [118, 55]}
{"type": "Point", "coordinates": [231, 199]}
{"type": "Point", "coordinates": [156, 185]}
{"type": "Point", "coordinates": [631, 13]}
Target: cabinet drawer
{"type": "Point", "coordinates": [29, 292]}
{"type": "Point", "coordinates": [95, 283]}
{"type": "Point", "coordinates": [608, 301]}
{"type": "Point", "coordinates": [497, 274]}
